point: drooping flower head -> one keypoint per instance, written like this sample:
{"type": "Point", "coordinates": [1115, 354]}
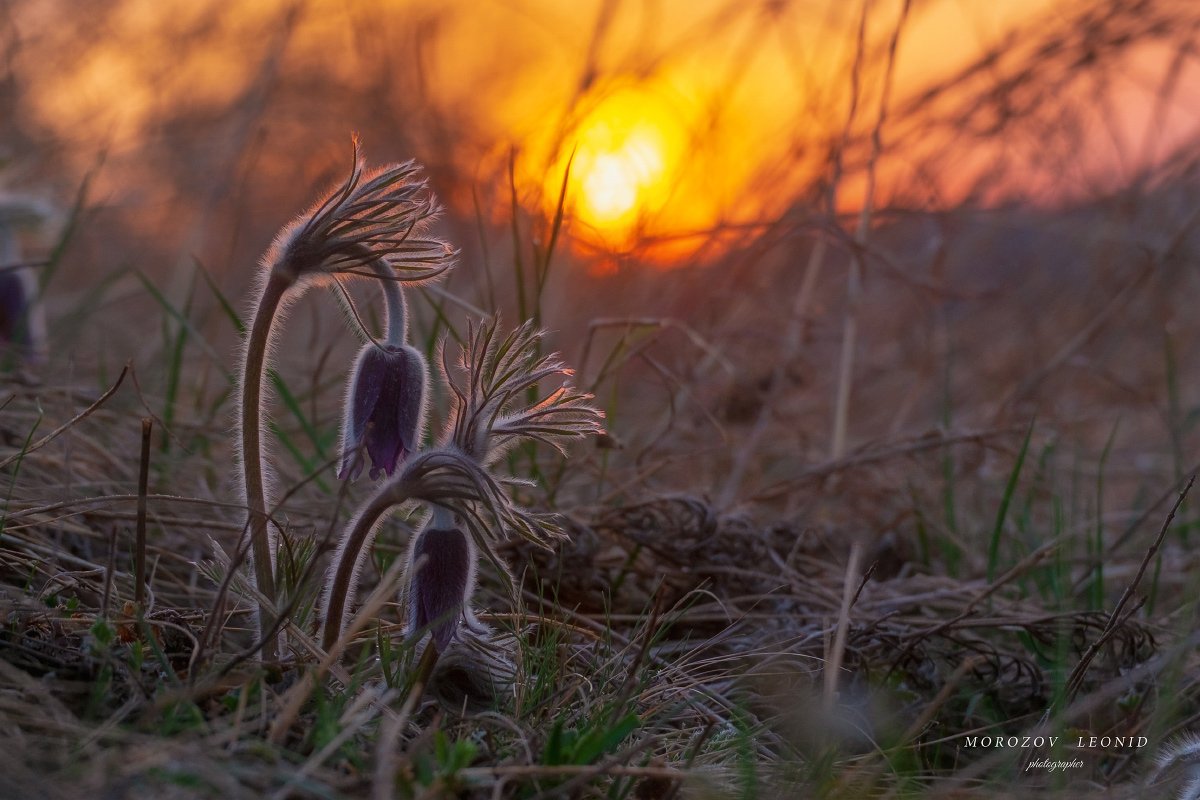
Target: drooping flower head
{"type": "Point", "coordinates": [384, 410]}
{"type": "Point", "coordinates": [442, 577]}
{"type": "Point", "coordinates": [494, 377]}
{"type": "Point", "coordinates": [373, 218]}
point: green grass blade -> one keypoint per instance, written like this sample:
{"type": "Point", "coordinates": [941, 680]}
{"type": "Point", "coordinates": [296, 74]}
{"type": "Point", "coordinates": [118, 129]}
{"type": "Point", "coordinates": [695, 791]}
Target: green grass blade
{"type": "Point", "coordinates": [543, 272]}
{"type": "Point", "coordinates": [484, 254]}
{"type": "Point", "coordinates": [304, 462]}
{"type": "Point", "coordinates": [518, 262]}
{"type": "Point", "coordinates": [182, 319]}
{"type": "Point", "coordinates": [175, 368]}
{"type": "Point", "coordinates": [60, 247]}
{"type": "Point", "coordinates": [1097, 588]}
{"type": "Point", "coordinates": [226, 307]}
{"type": "Point", "coordinates": [292, 404]}
{"type": "Point", "coordinates": [12, 483]}
{"type": "Point", "coordinates": [1002, 512]}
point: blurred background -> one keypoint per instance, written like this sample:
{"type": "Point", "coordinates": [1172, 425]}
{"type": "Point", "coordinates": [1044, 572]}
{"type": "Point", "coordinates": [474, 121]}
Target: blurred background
{"type": "Point", "coordinates": [791, 231]}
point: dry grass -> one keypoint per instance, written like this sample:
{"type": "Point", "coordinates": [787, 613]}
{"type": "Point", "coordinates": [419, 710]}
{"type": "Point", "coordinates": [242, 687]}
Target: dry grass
{"type": "Point", "coordinates": [714, 628]}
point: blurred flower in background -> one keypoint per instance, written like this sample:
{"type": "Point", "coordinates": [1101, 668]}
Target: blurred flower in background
{"type": "Point", "coordinates": [22, 323]}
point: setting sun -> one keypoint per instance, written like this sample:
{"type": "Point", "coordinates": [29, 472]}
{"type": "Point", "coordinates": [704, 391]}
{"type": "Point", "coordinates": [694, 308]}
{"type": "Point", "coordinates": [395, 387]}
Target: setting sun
{"type": "Point", "coordinates": [613, 181]}
{"type": "Point", "coordinates": [626, 155]}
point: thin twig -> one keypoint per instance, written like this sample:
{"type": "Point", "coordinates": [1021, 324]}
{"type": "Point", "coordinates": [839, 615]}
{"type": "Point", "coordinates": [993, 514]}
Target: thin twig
{"type": "Point", "coordinates": [45, 440]}
{"type": "Point", "coordinates": [834, 665]}
{"type": "Point", "coordinates": [833, 466]}
{"type": "Point", "coordinates": [108, 572]}
{"type": "Point", "coordinates": [841, 410]}
{"type": "Point", "coordinates": [1018, 569]}
{"type": "Point", "coordinates": [139, 571]}
{"type": "Point", "coordinates": [1116, 620]}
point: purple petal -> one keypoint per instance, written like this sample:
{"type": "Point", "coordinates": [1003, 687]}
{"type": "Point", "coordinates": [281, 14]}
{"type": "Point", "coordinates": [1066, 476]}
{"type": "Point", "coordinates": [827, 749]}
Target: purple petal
{"type": "Point", "coordinates": [352, 464]}
{"type": "Point", "coordinates": [384, 410]}
{"type": "Point", "coordinates": [384, 443]}
{"type": "Point", "coordinates": [394, 424]}
{"type": "Point", "coordinates": [369, 378]}
{"type": "Point", "coordinates": [366, 385]}
{"type": "Point", "coordinates": [438, 592]}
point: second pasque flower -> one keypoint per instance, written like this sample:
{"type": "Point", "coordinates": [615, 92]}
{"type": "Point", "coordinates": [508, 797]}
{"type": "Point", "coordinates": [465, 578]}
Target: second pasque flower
{"type": "Point", "coordinates": [384, 409]}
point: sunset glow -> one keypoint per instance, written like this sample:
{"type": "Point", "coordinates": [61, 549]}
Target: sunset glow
{"type": "Point", "coordinates": [679, 137]}
{"type": "Point", "coordinates": [626, 153]}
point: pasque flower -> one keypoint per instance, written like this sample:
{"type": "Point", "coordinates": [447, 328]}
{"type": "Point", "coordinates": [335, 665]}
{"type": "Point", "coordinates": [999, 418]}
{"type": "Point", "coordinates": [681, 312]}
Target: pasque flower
{"type": "Point", "coordinates": [21, 323]}
{"type": "Point", "coordinates": [14, 308]}
{"type": "Point", "coordinates": [442, 578]}
{"type": "Point", "coordinates": [472, 508]}
{"type": "Point", "coordinates": [384, 409]}
{"type": "Point", "coordinates": [372, 225]}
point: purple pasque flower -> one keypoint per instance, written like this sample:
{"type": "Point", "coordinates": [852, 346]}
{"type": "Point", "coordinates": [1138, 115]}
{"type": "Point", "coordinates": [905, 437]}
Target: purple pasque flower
{"type": "Point", "coordinates": [384, 410]}
{"type": "Point", "coordinates": [14, 308]}
{"type": "Point", "coordinates": [442, 577]}
{"type": "Point", "coordinates": [21, 324]}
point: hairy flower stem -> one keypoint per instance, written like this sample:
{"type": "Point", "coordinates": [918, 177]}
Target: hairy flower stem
{"type": "Point", "coordinates": [397, 324]}
{"type": "Point", "coordinates": [351, 550]}
{"type": "Point", "coordinates": [261, 550]}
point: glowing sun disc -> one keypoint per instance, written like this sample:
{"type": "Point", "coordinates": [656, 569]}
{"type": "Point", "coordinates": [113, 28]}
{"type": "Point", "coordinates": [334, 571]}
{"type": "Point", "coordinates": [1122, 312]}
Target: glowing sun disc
{"type": "Point", "coordinates": [627, 150]}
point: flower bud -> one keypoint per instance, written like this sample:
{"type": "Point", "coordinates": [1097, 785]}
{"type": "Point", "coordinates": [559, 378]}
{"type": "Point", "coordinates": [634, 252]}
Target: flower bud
{"type": "Point", "coordinates": [384, 409]}
{"type": "Point", "coordinates": [443, 574]}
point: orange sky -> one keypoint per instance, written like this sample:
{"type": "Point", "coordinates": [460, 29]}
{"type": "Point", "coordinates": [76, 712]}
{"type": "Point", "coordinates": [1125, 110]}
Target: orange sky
{"type": "Point", "coordinates": [681, 114]}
